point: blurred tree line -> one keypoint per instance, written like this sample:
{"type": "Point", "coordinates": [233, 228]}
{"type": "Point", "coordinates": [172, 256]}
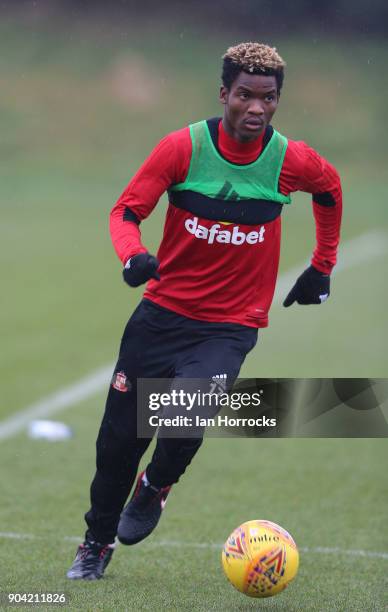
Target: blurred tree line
{"type": "Point", "coordinates": [347, 16]}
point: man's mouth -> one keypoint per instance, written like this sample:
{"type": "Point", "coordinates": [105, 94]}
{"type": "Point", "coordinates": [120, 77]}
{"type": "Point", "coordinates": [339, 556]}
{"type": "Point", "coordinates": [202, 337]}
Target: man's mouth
{"type": "Point", "coordinates": [254, 124]}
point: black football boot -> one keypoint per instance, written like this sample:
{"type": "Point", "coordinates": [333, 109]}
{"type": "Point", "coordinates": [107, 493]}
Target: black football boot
{"type": "Point", "coordinates": [141, 515]}
{"type": "Point", "coordinates": [90, 561]}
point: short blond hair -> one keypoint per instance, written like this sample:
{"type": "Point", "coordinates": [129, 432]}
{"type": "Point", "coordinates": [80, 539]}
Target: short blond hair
{"type": "Point", "coordinates": [254, 58]}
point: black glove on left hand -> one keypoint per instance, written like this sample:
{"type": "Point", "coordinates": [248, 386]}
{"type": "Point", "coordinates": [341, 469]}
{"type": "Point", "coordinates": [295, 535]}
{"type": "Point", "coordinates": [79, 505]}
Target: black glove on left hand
{"type": "Point", "coordinates": [312, 287]}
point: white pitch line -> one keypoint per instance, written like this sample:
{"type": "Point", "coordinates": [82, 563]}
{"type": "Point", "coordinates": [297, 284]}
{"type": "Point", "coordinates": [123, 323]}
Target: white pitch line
{"type": "Point", "coordinates": [62, 399]}
{"type": "Point", "coordinates": [320, 550]}
{"type": "Point", "coordinates": [354, 252]}
{"type": "Point", "coordinates": [351, 253]}
{"type": "Point", "coordinates": [306, 549]}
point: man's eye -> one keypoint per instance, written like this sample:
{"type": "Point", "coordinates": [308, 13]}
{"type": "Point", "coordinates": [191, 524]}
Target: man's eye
{"type": "Point", "coordinates": [270, 98]}
{"type": "Point", "coordinates": [244, 96]}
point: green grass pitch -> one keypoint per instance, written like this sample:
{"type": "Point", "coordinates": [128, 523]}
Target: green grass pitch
{"type": "Point", "coordinates": [327, 493]}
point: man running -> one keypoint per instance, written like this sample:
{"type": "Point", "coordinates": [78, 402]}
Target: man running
{"type": "Point", "coordinates": [211, 284]}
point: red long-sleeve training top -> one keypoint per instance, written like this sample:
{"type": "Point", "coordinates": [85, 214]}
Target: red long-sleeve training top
{"type": "Point", "coordinates": [222, 282]}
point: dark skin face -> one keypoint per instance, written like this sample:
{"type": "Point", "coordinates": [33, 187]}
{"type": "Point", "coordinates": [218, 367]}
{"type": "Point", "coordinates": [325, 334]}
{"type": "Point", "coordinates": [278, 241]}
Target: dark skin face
{"type": "Point", "coordinates": [249, 105]}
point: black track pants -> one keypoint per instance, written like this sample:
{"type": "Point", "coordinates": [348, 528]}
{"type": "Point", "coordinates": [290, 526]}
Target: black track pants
{"type": "Point", "coordinates": [157, 343]}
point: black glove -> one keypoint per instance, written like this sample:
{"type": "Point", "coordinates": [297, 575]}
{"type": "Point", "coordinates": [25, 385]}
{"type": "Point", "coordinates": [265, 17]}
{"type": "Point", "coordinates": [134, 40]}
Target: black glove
{"type": "Point", "coordinates": [140, 268]}
{"type": "Point", "coordinates": [312, 287]}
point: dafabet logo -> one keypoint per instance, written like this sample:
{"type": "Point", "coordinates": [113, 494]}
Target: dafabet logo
{"type": "Point", "coordinates": [216, 234]}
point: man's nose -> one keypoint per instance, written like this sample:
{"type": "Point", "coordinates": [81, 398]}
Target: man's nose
{"type": "Point", "coordinates": [256, 108]}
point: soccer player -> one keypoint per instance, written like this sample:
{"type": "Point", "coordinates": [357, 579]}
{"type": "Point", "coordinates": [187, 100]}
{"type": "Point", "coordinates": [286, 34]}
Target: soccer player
{"type": "Point", "coordinates": [210, 286]}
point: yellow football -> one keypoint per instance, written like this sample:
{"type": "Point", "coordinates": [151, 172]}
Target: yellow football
{"type": "Point", "coordinates": [260, 558]}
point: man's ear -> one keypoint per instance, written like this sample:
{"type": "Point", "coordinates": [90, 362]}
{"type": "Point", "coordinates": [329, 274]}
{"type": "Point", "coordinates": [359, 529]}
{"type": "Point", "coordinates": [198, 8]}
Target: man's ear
{"type": "Point", "coordinates": [223, 94]}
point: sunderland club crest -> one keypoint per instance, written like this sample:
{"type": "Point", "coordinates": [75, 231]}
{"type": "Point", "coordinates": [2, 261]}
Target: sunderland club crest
{"type": "Point", "coordinates": [120, 382]}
